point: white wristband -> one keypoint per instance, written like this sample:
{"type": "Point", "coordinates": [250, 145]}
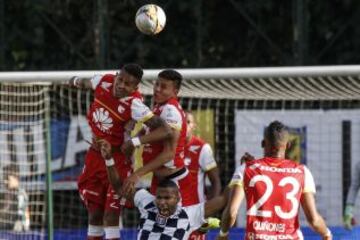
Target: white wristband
{"type": "Point", "coordinates": [136, 141]}
{"type": "Point", "coordinates": [109, 162]}
{"type": "Point", "coordinates": [223, 234]}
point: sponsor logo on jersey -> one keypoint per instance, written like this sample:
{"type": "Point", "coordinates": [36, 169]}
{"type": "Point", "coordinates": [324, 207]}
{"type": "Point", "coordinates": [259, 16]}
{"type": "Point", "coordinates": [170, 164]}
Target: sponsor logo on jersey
{"type": "Point", "coordinates": [102, 119]}
{"type": "Point", "coordinates": [262, 236]}
{"type": "Point", "coordinates": [268, 226]}
{"type": "Point", "coordinates": [274, 169]}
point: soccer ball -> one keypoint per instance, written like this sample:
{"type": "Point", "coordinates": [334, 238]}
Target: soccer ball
{"type": "Point", "coordinates": [150, 19]}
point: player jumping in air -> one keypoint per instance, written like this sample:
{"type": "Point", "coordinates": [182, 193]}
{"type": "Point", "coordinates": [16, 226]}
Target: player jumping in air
{"type": "Point", "coordinates": [166, 158]}
{"type": "Point", "coordinates": [117, 101]}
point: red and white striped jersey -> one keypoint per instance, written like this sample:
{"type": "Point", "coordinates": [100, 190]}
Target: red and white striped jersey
{"type": "Point", "coordinates": [108, 115]}
{"type": "Point", "coordinates": [174, 115]}
{"type": "Point", "coordinates": [273, 188]}
{"type": "Point", "coordinates": [198, 159]}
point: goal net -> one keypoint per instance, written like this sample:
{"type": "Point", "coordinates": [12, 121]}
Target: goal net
{"type": "Point", "coordinates": [23, 132]}
{"type": "Point", "coordinates": [42, 120]}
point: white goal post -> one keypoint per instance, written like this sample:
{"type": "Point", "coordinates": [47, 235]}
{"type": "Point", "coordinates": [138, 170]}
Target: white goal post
{"type": "Point", "coordinates": [277, 83]}
{"type": "Point", "coordinates": [198, 73]}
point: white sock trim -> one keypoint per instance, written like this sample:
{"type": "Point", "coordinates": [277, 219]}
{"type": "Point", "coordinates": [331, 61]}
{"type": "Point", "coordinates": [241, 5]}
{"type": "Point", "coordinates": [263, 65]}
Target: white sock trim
{"type": "Point", "coordinates": [112, 232]}
{"type": "Point", "coordinates": [95, 231]}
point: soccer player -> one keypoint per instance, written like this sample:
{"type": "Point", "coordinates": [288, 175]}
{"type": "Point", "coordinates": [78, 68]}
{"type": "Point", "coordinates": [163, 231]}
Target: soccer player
{"type": "Point", "coordinates": [165, 159]}
{"type": "Point", "coordinates": [351, 197]}
{"type": "Point", "coordinates": [274, 187]}
{"type": "Point", "coordinates": [161, 216]}
{"type": "Point", "coordinates": [117, 102]}
{"type": "Point", "coordinates": [200, 161]}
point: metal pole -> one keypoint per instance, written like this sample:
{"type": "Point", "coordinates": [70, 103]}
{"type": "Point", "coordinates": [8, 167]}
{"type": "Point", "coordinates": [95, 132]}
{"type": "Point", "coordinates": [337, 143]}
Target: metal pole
{"type": "Point", "coordinates": [49, 190]}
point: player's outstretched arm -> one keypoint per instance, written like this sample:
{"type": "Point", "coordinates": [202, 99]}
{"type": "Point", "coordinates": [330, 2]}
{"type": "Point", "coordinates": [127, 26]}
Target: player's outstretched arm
{"type": "Point", "coordinates": [228, 217]}
{"type": "Point", "coordinates": [313, 217]}
{"type": "Point", "coordinates": [78, 82]}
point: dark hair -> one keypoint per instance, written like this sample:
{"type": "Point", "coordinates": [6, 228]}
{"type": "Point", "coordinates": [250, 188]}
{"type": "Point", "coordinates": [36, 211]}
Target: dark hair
{"type": "Point", "coordinates": [11, 169]}
{"type": "Point", "coordinates": [172, 75]}
{"type": "Point", "coordinates": [276, 133]}
{"type": "Point", "coordinates": [134, 70]}
{"type": "Point", "coordinates": [168, 184]}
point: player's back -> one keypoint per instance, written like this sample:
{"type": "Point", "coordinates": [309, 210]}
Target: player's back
{"type": "Point", "coordinates": [273, 188]}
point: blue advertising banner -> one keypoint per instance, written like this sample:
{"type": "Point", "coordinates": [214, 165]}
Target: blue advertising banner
{"type": "Point", "coordinates": [24, 143]}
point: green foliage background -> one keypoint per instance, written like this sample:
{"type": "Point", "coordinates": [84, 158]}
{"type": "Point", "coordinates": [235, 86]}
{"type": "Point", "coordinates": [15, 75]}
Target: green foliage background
{"type": "Point", "coordinates": [101, 34]}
